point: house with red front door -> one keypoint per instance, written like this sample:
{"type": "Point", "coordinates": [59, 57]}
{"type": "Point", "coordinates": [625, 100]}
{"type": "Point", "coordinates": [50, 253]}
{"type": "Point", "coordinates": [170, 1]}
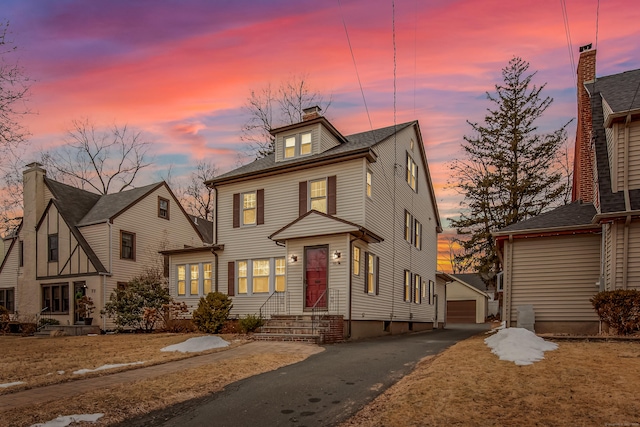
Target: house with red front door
{"type": "Point", "coordinates": [328, 226]}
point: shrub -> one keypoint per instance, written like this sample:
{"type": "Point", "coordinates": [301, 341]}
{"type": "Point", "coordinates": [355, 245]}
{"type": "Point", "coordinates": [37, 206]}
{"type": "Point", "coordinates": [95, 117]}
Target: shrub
{"type": "Point", "coordinates": [212, 312]}
{"type": "Point", "coordinates": [174, 318]}
{"type": "Point", "coordinates": [250, 323]}
{"type": "Point", "coordinates": [139, 304]}
{"type": "Point", "coordinates": [620, 309]}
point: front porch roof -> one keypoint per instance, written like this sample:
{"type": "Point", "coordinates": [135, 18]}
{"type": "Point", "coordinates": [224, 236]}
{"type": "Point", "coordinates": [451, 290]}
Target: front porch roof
{"type": "Point", "coordinates": [314, 223]}
{"type": "Point", "coordinates": [192, 249]}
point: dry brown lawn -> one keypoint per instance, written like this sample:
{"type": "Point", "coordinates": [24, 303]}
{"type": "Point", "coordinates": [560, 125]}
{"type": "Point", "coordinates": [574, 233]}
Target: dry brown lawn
{"type": "Point", "coordinates": [31, 360]}
{"type": "Point", "coordinates": [38, 361]}
{"type": "Point", "coordinates": [579, 384]}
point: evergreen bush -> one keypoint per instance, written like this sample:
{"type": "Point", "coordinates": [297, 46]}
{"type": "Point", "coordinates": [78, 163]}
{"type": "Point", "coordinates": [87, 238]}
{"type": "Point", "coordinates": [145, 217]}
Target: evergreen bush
{"type": "Point", "coordinates": [620, 309]}
{"type": "Point", "coordinates": [212, 312]}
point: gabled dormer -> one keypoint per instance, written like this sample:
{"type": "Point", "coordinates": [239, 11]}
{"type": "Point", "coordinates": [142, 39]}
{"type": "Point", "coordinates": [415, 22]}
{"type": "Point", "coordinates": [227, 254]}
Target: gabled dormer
{"type": "Point", "coordinates": [313, 135]}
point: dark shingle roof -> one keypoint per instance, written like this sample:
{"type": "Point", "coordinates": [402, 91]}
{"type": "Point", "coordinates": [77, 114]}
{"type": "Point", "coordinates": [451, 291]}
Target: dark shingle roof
{"type": "Point", "coordinates": [74, 203]}
{"type": "Point", "coordinates": [109, 205]}
{"type": "Point", "coordinates": [610, 201]}
{"type": "Point", "coordinates": [204, 227]}
{"type": "Point", "coordinates": [618, 90]}
{"type": "Point", "coordinates": [472, 279]}
{"type": "Point", "coordinates": [355, 142]}
{"type": "Point", "coordinates": [574, 214]}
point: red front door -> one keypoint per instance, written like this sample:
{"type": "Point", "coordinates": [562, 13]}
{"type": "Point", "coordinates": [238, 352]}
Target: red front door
{"type": "Point", "coordinates": [316, 262]}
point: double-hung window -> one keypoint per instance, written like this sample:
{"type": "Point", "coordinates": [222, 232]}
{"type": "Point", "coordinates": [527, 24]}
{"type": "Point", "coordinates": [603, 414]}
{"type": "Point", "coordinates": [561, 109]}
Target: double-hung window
{"type": "Point", "coordinates": [408, 223]}
{"type": "Point", "coordinates": [261, 276]}
{"type": "Point", "coordinates": [356, 261]}
{"type": "Point", "coordinates": [417, 238]}
{"type": "Point", "coordinates": [416, 289]}
{"type": "Point", "coordinates": [260, 279]}
{"type": "Point", "coordinates": [407, 285]}
{"type": "Point", "coordinates": [297, 145]}
{"type": "Point", "coordinates": [52, 247]}
{"type": "Point", "coordinates": [163, 208]}
{"type": "Point", "coordinates": [127, 245]}
{"type": "Point", "coordinates": [249, 208]}
{"type": "Point", "coordinates": [7, 299]}
{"type": "Point", "coordinates": [318, 195]}
{"type": "Point", "coordinates": [412, 173]}
{"type": "Point", "coordinates": [369, 183]}
{"type": "Point", "coordinates": [412, 230]}
{"type": "Point", "coordinates": [371, 273]}
{"type": "Point", "coordinates": [55, 298]}
{"type": "Point", "coordinates": [198, 276]}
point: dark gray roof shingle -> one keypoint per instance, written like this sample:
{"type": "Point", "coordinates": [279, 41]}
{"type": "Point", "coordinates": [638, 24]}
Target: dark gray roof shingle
{"type": "Point", "coordinates": [204, 227]}
{"type": "Point", "coordinates": [109, 205]}
{"type": "Point", "coordinates": [354, 143]}
{"type": "Point", "coordinates": [574, 214]}
{"type": "Point", "coordinates": [472, 279]}
{"type": "Point", "coordinates": [618, 90]}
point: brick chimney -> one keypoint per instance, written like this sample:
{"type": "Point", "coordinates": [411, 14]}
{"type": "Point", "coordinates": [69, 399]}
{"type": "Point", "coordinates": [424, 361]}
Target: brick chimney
{"type": "Point", "coordinates": [311, 113]}
{"type": "Point", "coordinates": [583, 160]}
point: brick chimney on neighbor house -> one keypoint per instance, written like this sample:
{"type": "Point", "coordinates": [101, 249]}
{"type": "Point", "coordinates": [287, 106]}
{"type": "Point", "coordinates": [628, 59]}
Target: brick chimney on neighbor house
{"type": "Point", "coordinates": [583, 160]}
{"type": "Point", "coordinates": [311, 113]}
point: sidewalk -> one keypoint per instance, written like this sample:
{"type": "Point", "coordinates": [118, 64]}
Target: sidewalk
{"type": "Point", "coordinates": [64, 390]}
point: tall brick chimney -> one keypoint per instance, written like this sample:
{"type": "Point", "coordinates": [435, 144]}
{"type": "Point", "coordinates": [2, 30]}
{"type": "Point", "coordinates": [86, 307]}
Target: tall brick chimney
{"type": "Point", "coordinates": [583, 160]}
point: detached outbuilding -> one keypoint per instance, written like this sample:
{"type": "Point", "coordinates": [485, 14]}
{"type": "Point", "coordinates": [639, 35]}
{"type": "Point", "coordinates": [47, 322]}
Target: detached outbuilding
{"type": "Point", "coordinates": [465, 302]}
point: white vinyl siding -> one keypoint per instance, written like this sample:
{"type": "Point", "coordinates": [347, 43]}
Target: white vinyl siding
{"type": "Point", "coordinates": [557, 275]}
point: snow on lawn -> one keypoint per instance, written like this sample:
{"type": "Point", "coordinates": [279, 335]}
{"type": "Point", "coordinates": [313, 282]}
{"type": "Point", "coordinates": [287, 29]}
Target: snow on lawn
{"type": "Point", "coordinates": [194, 345]}
{"type": "Point", "coordinates": [103, 367]}
{"type": "Point", "coordinates": [63, 421]}
{"type": "Point", "coordinates": [519, 345]}
{"type": "Point", "coordinates": [5, 385]}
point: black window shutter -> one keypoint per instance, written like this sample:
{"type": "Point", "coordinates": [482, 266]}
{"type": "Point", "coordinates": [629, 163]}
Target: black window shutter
{"type": "Point", "coordinates": [377, 276]}
{"type": "Point", "coordinates": [417, 178]}
{"type": "Point", "coordinates": [231, 278]}
{"type": "Point", "coordinates": [302, 198]}
{"type": "Point", "coordinates": [260, 197]}
{"type": "Point", "coordinates": [366, 272]}
{"type": "Point", "coordinates": [236, 210]}
{"type": "Point", "coordinates": [331, 195]}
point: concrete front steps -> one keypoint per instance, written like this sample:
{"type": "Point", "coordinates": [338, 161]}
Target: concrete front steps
{"type": "Point", "coordinates": [299, 328]}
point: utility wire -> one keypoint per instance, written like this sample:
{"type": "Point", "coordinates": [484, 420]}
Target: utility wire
{"type": "Point", "coordinates": [567, 31]}
{"type": "Point", "coordinates": [344, 24]}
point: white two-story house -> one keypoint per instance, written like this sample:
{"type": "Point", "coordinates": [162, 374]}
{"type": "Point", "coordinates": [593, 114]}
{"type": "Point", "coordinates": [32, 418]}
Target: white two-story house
{"type": "Point", "coordinates": [342, 224]}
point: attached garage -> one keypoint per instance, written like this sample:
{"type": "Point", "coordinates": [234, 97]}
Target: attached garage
{"type": "Point", "coordinates": [465, 303]}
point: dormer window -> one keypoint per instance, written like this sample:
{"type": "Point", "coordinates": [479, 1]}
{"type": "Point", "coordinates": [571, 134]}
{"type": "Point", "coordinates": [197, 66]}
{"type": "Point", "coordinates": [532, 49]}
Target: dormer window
{"type": "Point", "coordinates": [297, 145]}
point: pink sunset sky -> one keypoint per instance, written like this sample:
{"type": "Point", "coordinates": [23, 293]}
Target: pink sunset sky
{"type": "Point", "coordinates": [181, 71]}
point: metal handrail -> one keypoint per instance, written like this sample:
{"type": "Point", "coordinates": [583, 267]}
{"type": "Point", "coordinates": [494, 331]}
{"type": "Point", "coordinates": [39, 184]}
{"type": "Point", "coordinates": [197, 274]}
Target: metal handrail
{"type": "Point", "coordinates": [275, 304]}
{"type": "Point", "coordinates": [319, 313]}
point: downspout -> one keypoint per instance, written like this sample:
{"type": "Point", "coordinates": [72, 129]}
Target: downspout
{"type": "Point", "coordinates": [215, 237]}
{"type": "Point", "coordinates": [104, 276]}
{"type": "Point", "coordinates": [603, 256]}
{"type": "Point", "coordinates": [350, 285]}
{"type": "Point", "coordinates": [627, 201]}
{"type": "Point", "coordinates": [507, 282]}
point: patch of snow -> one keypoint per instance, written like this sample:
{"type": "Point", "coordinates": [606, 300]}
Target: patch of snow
{"type": "Point", "coordinates": [104, 367]}
{"type": "Point", "coordinates": [194, 345]}
{"type": "Point", "coordinates": [519, 345]}
{"type": "Point", "coordinates": [63, 421]}
{"type": "Point", "coordinates": [60, 372]}
{"type": "Point", "coordinates": [6, 385]}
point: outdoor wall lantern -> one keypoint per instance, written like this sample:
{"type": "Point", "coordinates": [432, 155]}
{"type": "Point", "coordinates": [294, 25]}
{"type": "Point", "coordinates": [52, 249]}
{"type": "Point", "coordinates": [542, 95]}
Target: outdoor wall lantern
{"type": "Point", "coordinates": [293, 258]}
{"type": "Point", "coordinates": [337, 256]}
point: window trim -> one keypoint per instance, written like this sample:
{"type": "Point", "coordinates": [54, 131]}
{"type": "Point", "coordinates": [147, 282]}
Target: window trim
{"type": "Point", "coordinates": [255, 276]}
{"type": "Point", "coordinates": [369, 184]}
{"type": "Point", "coordinates": [355, 270]}
{"type": "Point", "coordinates": [407, 286]}
{"type": "Point", "coordinates": [417, 280]}
{"type": "Point", "coordinates": [187, 279]}
{"type": "Point", "coordinates": [254, 208]}
{"type": "Point", "coordinates": [371, 274]}
{"type": "Point", "coordinates": [412, 173]}
{"type": "Point", "coordinates": [297, 145]}
{"type": "Point", "coordinates": [250, 276]}
{"type": "Point", "coordinates": [183, 280]}
{"type": "Point", "coordinates": [133, 245]}
{"type": "Point", "coordinates": [4, 299]}
{"type": "Point", "coordinates": [160, 200]}
{"type": "Point", "coordinates": [62, 287]}
{"type": "Point", "coordinates": [310, 198]}
{"type": "Point", "coordinates": [276, 275]}
{"type": "Point", "coordinates": [52, 252]}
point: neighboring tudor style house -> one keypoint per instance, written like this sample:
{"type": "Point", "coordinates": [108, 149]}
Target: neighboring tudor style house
{"type": "Point", "coordinates": [558, 260]}
{"type": "Point", "coordinates": [342, 224]}
{"type": "Point", "coordinates": [72, 242]}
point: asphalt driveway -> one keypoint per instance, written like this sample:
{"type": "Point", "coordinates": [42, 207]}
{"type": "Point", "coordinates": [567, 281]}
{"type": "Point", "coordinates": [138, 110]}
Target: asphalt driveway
{"type": "Point", "coordinates": [323, 390]}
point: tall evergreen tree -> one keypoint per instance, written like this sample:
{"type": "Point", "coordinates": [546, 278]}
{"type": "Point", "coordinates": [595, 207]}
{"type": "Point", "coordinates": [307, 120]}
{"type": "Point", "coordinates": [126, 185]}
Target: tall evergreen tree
{"type": "Point", "coordinates": [509, 171]}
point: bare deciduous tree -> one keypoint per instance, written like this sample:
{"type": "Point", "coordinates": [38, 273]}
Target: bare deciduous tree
{"type": "Point", "coordinates": [14, 92]}
{"type": "Point", "coordinates": [269, 109]}
{"type": "Point", "coordinates": [198, 198]}
{"type": "Point", "coordinates": [105, 161]}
